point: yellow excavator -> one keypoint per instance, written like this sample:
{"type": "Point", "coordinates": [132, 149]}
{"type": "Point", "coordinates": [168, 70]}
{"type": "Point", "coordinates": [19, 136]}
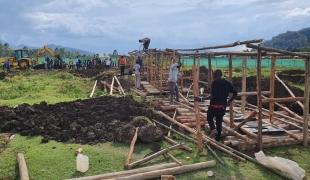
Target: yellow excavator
{"type": "Point", "coordinates": [20, 59]}
{"type": "Point", "coordinates": [45, 50]}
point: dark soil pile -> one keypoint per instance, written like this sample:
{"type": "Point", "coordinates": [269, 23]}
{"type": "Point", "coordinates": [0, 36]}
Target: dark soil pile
{"type": "Point", "coordinates": [84, 121]}
{"type": "Point", "coordinates": [280, 91]}
{"type": "Point", "coordinates": [294, 76]}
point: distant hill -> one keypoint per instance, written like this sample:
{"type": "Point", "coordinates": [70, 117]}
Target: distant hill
{"type": "Point", "coordinates": [54, 46]}
{"type": "Point", "coordinates": [291, 40]}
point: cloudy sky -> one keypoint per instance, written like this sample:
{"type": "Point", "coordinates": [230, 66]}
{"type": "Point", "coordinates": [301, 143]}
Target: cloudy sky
{"type": "Point", "coordinates": [104, 25]}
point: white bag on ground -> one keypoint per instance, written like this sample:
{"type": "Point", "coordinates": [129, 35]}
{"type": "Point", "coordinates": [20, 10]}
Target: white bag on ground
{"type": "Point", "coordinates": [287, 167]}
{"type": "Point", "coordinates": [82, 163]}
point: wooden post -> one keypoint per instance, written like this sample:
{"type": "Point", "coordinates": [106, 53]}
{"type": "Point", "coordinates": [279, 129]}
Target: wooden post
{"type": "Point", "coordinates": [259, 98]}
{"type": "Point", "coordinates": [209, 73]}
{"type": "Point", "coordinates": [271, 89]}
{"type": "Point", "coordinates": [23, 170]}
{"type": "Point", "coordinates": [148, 158]}
{"type": "Point", "coordinates": [132, 147]}
{"type": "Point", "coordinates": [111, 89]}
{"type": "Point", "coordinates": [231, 106]}
{"type": "Point", "coordinates": [170, 171]}
{"type": "Point", "coordinates": [93, 91]}
{"type": "Point", "coordinates": [195, 71]}
{"type": "Point", "coordinates": [243, 89]}
{"type": "Point", "coordinates": [306, 103]}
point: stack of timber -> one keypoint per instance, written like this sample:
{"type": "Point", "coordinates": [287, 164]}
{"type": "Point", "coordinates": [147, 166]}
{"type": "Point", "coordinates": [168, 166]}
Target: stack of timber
{"type": "Point", "coordinates": [150, 89]}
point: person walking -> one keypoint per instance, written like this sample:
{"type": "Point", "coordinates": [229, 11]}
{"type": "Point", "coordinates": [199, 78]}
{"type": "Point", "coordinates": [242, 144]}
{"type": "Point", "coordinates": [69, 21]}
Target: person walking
{"type": "Point", "coordinates": [137, 70]}
{"type": "Point", "coordinates": [121, 64]}
{"type": "Point", "coordinates": [173, 81]}
{"type": "Point", "coordinates": [7, 66]}
{"type": "Point", "coordinates": [220, 90]}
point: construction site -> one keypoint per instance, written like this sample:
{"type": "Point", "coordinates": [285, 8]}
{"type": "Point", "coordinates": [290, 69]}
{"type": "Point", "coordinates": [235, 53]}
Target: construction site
{"type": "Point", "coordinates": [123, 132]}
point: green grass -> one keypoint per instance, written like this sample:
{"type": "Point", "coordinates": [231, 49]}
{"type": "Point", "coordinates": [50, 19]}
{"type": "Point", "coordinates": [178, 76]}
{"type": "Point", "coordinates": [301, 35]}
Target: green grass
{"type": "Point", "coordinates": [52, 87]}
{"type": "Point", "coordinates": [55, 160]}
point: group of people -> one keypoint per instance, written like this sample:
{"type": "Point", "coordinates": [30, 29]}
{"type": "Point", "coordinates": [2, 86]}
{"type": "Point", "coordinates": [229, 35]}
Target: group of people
{"type": "Point", "coordinates": [79, 64]}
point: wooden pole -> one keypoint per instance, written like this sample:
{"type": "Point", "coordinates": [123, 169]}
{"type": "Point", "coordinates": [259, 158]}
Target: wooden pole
{"type": "Point", "coordinates": [132, 147]}
{"type": "Point", "coordinates": [174, 159]}
{"type": "Point", "coordinates": [209, 73]}
{"type": "Point", "coordinates": [23, 170]}
{"type": "Point", "coordinates": [195, 71]}
{"type": "Point", "coordinates": [259, 99]}
{"type": "Point", "coordinates": [111, 89]}
{"type": "Point", "coordinates": [173, 142]}
{"type": "Point", "coordinates": [93, 90]}
{"type": "Point", "coordinates": [271, 89]}
{"type": "Point", "coordinates": [289, 91]}
{"type": "Point", "coordinates": [127, 172]}
{"type": "Point", "coordinates": [148, 158]}
{"type": "Point", "coordinates": [169, 171]}
{"type": "Point", "coordinates": [231, 106]}
{"type": "Point", "coordinates": [119, 84]}
{"type": "Point", "coordinates": [243, 89]}
{"type": "Point", "coordinates": [306, 103]}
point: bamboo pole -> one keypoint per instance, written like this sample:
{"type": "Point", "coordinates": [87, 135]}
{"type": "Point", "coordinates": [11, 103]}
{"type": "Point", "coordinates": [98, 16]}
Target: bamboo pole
{"type": "Point", "coordinates": [231, 112]}
{"type": "Point", "coordinates": [148, 158]}
{"type": "Point", "coordinates": [287, 99]}
{"type": "Point", "coordinates": [289, 91]}
{"type": "Point", "coordinates": [208, 140]}
{"type": "Point", "coordinates": [189, 138]}
{"type": "Point", "coordinates": [174, 159]}
{"type": "Point", "coordinates": [243, 89]}
{"type": "Point", "coordinates": [93, 90]}
{"type": "Point", "coordinates": [254, 93]}
{"type": "Point", "coordinates": [23, 170]}
{"type": "Point", "coordinates": [119, 84]}
{"type": "Point", "coordinates": [278, 51]}
{"type": "Point", "coordinates": [209, 73]}
{"type": "Point", "coordinates": [271, 89]}
{"type": "Point", "coordinates": [306, 103]}
{"type": "Point", "coordinates": [195, 71]}
{"type": "Point", "coordinates": [259, 98]}
{"type": "Point", "coordinates": [111, 89]}
{"type": "Point", "coordinates": [170, 171]}
{"type": "Point", "coordinates": [127, 172]}
{"type": "Point", "coordinates": [173, 142]}
{"type": "Point", "coordinates": [132, 147]}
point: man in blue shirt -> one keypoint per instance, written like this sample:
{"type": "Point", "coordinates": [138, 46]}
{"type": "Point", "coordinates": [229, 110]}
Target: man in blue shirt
{"type": "Point", "coordinates": [173, 80]}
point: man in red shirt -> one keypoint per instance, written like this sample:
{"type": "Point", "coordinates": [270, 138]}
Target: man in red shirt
{"type": "Point", "coordinates": [122, 63]}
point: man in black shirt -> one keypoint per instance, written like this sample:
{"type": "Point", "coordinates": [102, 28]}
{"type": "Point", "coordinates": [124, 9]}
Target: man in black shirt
{"type": "Point", "coordinates": [220, 89]}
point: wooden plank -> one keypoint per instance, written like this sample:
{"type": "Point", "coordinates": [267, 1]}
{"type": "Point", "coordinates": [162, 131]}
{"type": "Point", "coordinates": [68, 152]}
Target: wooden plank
{"type": "Point", "coordinates": [127, 172]}
{"type": "Point", "coordinates": [259, 98]}
{"type": "Point", "coordinates": [306, 103]}
{"type": "Point", "coordinates": [93, 90]}
{"type": "Point", "coordinates": [148, 158]}
{"type": "Point", "coordinates": [112, 86]}
{"type": "Point", "coordinates": [170, 171]}
{"type": "Point", "coordinates": [132, 147]}
{"type": "Point", "coordinates": [271, 89]}
{"type": "Point", "coordinates": [22, 166]}
{"type": "Point", "coordinates": [231, 113]}
{"type": "Point", "coordinates": [243, 88]}
{"type": "Point", "coordinates": [286, 99]}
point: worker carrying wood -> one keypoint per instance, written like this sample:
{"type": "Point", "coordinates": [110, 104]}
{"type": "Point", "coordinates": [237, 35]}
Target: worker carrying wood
{"type": "Point", "coordinates": [121, 64]}
{"type": "Point", "coordinates": [173, 80]}
{"type": "Point", "coordinates": [220, 90]}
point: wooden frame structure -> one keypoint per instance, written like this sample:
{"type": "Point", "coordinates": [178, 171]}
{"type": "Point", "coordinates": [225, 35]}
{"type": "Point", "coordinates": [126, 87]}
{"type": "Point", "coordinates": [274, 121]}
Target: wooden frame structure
{"type": "Point", "coordinates": [293, 128]}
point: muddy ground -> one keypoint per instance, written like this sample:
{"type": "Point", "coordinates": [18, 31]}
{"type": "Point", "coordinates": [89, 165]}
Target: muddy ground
{"type": "Point", "coordinates": [83, 121]}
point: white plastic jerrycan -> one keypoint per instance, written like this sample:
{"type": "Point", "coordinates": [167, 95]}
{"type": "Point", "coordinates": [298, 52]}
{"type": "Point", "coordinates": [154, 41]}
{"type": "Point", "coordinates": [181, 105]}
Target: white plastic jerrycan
{"type": "Point", "coordinates": [82, 163]}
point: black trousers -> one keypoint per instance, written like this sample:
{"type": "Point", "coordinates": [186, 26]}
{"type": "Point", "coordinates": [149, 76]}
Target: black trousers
{"type": "Point", "coordinates": [218, 114]}
{"type": "Point", "coordinates": [122, 69]}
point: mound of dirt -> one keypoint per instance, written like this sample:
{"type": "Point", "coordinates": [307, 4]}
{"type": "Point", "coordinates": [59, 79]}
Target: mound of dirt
{"type": "Point", "coordinates": [280, 91]}
{"type": "Point", "coordinates": [84, 121]}
{"type": "Point", "coordinates": [294, 76]}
